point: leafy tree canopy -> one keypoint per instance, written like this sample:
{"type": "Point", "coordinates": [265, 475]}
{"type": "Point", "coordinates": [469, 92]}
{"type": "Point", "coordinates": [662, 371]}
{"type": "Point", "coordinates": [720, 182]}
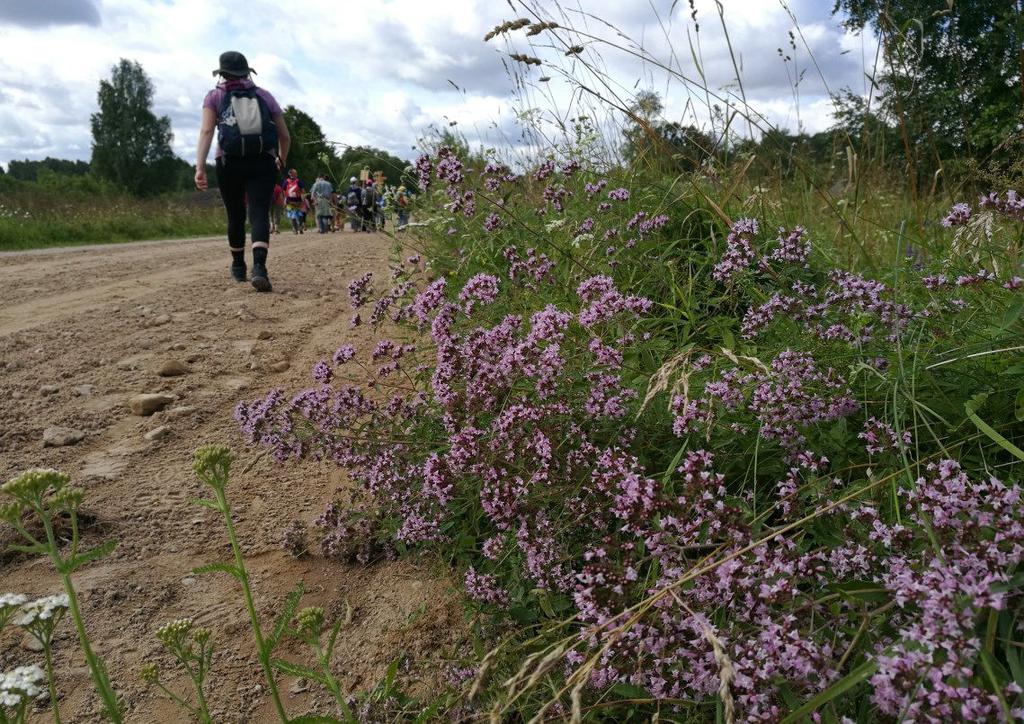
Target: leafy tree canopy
{"type": "Point", "coordinates": [356, 158]}
{"type": "Point", "coordinates": [953, 70]}
{"type": "Point", "coordinates": [310, 152]}
{"type": "Point", "coordinates": [127, 137]}
{"type": "Point", "coordinates": [652, 143]}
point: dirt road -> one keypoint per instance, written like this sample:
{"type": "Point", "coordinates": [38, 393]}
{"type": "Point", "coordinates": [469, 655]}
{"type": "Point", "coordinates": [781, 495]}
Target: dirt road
{"type": "Point", "coordinates": [82, 331]}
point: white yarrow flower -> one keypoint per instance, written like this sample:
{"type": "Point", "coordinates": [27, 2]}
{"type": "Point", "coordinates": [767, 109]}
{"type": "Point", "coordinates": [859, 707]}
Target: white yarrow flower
{"type": "Point", "coordinates": [43, 608]}
{"type": "Point", "coordinates": [21, 684]}
{"type": "Point", "coordinates": [12, 600]}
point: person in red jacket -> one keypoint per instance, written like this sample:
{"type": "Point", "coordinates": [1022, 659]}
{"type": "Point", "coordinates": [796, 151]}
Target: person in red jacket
{"type": "Point", "coordinates": [294, 191]}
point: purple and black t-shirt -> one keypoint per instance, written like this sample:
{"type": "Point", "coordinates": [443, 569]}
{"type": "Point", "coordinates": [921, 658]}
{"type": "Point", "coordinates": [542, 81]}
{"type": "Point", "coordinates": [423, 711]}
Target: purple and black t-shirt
{"type": "Point", "coordinates": [215, 97]}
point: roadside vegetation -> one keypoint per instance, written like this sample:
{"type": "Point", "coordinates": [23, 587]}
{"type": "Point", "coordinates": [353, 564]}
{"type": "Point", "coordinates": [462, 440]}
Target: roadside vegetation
{"type": "Point", "coordinates": [62, 210]}
{"type": "Point", "coordinates": [710, 428]}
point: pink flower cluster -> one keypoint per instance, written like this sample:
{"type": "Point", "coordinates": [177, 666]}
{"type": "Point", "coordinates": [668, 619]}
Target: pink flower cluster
{"type": "Point", "coordinates": [510, 433]}
{"type": "Point", "coordinates": [850, 309]}
{"type": "Point", "coordinates": [780, 401]}
{"type": "Point", "coordinates": [1011, 205]}
{"type": "Point", "coordinates": [879, 437]}
{"type": "Point", "coordinates": [739, 251]}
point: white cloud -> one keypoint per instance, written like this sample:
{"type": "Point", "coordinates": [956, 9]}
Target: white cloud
{"type": "Point", "coordinates": [379, 73]}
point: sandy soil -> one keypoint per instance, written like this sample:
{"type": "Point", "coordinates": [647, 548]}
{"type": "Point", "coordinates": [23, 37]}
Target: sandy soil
{"type": "Point", "coordinates": [96, 324]}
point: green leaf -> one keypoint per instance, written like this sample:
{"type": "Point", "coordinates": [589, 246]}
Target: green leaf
{"type": "Point", "coordinates": [392, 672]}
{"type": "Point", "coordinates": [865, 591]}
{"type": "Point", "coordinates": [1018, 405]}
{"type": "Point", "coordinates": [671, 470]}
{"type": "Point", "coordinates": [206, 503]}
{"type": "Point", "coordinates": [545, 602]}
{"type": "Point", "coordinates": [33, 549]}
{"type": "Point", "coordinates": [89, 556]}
{"type": "Point", "coordinates": [787, 696]}
{"type": "Point", "coordinates": [628, 691]}
{"type": "Point", "coordinates": [998, 677]}
{"type": "Point", "coordinates": [429, 713]}
{"type": "Point", "coordinates": [523, 614]}
{"type": "Point", "coordinates": [219, 568]}
{"type": "Point", "coordinates": [1013, 584]}
{"type": "Point", "coordinates": [837, 688]}
{"type": "Point", "coordinates": [1013, 313]}
{"type": "Point", "coordinates": [990, 432]}
{"type": "Point", "coordinates": [291, 602]}
{"type": "Point", "coordinates": [304, 672]}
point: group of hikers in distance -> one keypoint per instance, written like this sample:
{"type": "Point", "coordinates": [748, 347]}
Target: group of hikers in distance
{"type": "Point", "coordinates": [364, 205]}
{"type": "Point", "coordinates": [251, 154]}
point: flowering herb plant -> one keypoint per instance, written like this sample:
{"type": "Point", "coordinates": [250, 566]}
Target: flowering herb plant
{"type": "Point", "coordinates": [692, 462]}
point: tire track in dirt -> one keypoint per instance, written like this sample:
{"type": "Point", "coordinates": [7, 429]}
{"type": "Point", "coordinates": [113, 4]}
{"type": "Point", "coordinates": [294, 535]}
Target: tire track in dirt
{"type": "Point", "coordinates": [106, 318]}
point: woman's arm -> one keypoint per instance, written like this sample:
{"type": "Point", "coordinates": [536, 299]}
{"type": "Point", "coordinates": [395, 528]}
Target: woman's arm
{"type": "Point", "coordinates": [284, 140]}
{"type": "Point", "coordinates": [209, 121]}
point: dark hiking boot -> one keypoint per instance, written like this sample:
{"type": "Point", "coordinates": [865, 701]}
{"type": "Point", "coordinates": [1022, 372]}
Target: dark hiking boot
{"type": "Point", "coordinates": [260, 280]}
{"type": "Point", "coordinates": [238, 270]}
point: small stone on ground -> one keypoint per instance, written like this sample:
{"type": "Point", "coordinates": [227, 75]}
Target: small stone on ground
{"type": "Point", "coordinates": [158, 433]}
{"type": "Point", "coordinates": [147, 404]}
{"type": "Point", "coordinates": [172, 368]}
{"type": "Point", "coordinates": [57, 436]}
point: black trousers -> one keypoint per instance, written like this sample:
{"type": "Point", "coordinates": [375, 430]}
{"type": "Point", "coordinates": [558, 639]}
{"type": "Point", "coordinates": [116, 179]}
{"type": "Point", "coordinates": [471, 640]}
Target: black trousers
{"type": "Point", "coordinates": [369, 218]}
{"type": "Point", "coordinates": [247, 178]}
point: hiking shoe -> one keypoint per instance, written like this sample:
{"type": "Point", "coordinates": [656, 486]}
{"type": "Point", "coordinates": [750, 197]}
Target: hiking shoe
{"type": "Point", "coordinates": [238, 270]}
{"type": "Point", "coordinates": [260, 280]}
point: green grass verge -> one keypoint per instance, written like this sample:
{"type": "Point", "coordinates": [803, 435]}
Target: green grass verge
{"type": "Point", "coordinates": [35, 216]}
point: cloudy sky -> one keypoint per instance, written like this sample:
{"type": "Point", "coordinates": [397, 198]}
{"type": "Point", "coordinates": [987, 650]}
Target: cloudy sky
{"type": "Point", "coordinates": [381, 72]}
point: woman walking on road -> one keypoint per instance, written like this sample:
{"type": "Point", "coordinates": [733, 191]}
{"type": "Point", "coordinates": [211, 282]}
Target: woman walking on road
{"type": "Point", "coordinates": [252, 146]}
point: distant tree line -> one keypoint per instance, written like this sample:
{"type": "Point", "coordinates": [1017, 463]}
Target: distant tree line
{"type": "Point", "coordinates": [947, 107]}
{"type": "Point", "coordinates": [131, 148]}
{"type": "Point", "coordinates": [29, 170]}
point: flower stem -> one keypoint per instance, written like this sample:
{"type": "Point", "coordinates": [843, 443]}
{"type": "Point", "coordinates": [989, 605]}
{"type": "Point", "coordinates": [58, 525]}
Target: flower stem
{"type": "Point", "coordinates": [332, 683]}
{"type": "Point", "coordinates": [243, 577]}
{"type": "Point", "coordinates": [197, 681]}
{"type": "Point", "coordinates": [96, 668]}
{"type": "Point", "coordinates": [176, 699]}
{"type": "Point", "coordinates": [51, 680]}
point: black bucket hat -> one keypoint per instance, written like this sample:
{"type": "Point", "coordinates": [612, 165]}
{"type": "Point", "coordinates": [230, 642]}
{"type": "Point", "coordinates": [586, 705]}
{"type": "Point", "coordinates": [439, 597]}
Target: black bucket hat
{"type": "Point", "coordinates": [234, 63]}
